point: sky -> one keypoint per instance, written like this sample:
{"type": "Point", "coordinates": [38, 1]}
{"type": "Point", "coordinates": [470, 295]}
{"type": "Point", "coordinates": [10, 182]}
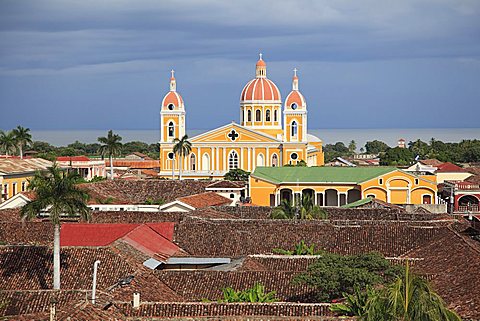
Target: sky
{"type": "Point", "coordinates": [362, 64]}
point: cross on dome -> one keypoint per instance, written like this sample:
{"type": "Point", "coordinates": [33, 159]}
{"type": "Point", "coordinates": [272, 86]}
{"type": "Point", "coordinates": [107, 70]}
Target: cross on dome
{"type": "Point", "coordinates": [295, 72]}
{"type": "Point", "coordinates": [260, 54]}
{"type": "Point", "coordinates": [173, 72]}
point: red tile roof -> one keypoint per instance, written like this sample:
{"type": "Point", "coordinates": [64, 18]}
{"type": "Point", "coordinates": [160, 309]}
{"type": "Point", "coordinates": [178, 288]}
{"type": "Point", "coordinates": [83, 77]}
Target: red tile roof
{"type": "Point", "coordinates": [226, 184]}
{"type": "Point", "coordinates": [449, 167]}
{"type": "Point", "coordinates": [78, 234]}
{"type": "Point", "coordinates": [146, 240]}
{"type": "Point", "coordinates": [205, 200]}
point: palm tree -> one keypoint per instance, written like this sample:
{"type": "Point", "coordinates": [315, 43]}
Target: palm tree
{"type": "Point", "coordinates": [56, 192]}
{"type": "Point", "coordinates": [7, 141]}
{"type": "Point", "coordinates": [284, 211]}
{"type": "Point", "coordinates": [409, 298]}
{"type": "Point", "coordinates": [309, 210]}
{"type": "Point", "coordinates": [111, 147]}
{"type": "Point", "coordinates": [22, 137]}
{"type": "Point", "coordinates": [183, 148]}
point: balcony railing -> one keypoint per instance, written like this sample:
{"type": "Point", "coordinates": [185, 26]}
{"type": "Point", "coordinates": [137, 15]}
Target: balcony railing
{"type": "Point", "coordinates": [468, 209]}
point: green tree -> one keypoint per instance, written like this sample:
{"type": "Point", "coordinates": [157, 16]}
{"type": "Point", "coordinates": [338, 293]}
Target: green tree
{"type": "Point", "coordinates": [397, 156]}
{"type": "Point", "coordinates": [408, 298]}
{"type": "Point", "coordinates": [22, 137]}
{"type": "Point", "coordinates": [419, 148]}
{"type": "Point", "coordinates": [111, 146]}
{"type": "Point", "coordinates": [333, 274]}
{"type": "Point", "coordinates": [237, 174]}
{"type": "Point", "coordinates": [307, 210]}
{"type": "Point", "coordinates": [284, 211]}
{"type": "Point", "coordinates": [56, 192]}
{"type": "Point", "coordinates": [352, 147]}
{"type": "Point", "coordinates": [7, 142]}
{"type": "Point", "coordinates": [299, 249]}
{"type": "Point", "coordinates": [376, 147]}
{"type": "Point", "coordinates": [182, 148]}
{"type": "Point", "coordinates": [256, 294]}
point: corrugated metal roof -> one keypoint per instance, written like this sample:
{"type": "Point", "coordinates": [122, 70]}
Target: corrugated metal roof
{"type": "Point", "coordinates": [199, 260]}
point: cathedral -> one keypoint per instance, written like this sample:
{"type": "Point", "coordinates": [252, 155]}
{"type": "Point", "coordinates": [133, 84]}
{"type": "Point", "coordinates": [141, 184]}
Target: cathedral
{"type": "Point", "coordinates": [265, 136]}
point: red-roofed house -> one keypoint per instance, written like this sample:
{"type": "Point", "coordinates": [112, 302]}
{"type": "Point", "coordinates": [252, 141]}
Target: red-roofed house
{"type": "Point", "coordinates": [153, 239]}
{"type": "Point", "coordinates": [193, 202]}
{"type": "Point", "coordinates": [84, 166]}
{"type": "Point", "coordinates": [451, 172]}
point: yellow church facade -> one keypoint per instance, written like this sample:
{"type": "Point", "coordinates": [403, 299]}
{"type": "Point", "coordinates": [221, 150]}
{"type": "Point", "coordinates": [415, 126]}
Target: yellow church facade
{"type": "Point", "coordinates": [270, 133]}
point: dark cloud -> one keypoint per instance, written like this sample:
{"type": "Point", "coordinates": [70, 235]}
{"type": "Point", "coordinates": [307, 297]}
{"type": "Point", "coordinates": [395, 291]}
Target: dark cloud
{"type": "Point", "coordinates": [363, 63]}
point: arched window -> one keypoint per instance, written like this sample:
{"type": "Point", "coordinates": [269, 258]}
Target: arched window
{"type": "Point", "coordinates": [258, 115]}
{"type": "Point", "coordinates": [274, 160]}
{"type": "Point", "coordinates": [205, 162]}
{"type": "Point", "coordinates": [267, 115]}
{"type": "Point", "coordinates": [294, 129]}
{"type": "Point", "coordinates": [171, 129]}
{"type": "Point", "coordinates": [192, 162]}
{"type": "Point", "coordinates": [275, 115]}
{"type": "Point", "coordinates": [233, 160]}
{"type": "Point", "coordinates": [260, 160]}
{"type": "Point", "coordinates": [249, 115]}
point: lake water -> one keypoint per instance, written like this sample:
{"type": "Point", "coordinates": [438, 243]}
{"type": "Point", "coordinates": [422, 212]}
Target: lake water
{"type": "Point", "coordinates": [329, 136]}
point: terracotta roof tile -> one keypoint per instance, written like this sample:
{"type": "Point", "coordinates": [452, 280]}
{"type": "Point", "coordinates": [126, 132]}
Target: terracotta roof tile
{"type": "Point", "coordinates": [226, 184]}
{"type": "Point", "coordinates": [432, 162]}
{"type": "Point", "coordinates": [449, 167]}
{"type": "Point", "coordinates": [205, 200]}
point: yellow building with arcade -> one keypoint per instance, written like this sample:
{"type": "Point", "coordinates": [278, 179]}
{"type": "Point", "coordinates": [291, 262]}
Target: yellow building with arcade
{"type": "Point", "coordinates": [267, 135]}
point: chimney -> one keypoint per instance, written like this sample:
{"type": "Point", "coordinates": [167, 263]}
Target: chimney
{"type": "Point", "coordinates": [136, 300]}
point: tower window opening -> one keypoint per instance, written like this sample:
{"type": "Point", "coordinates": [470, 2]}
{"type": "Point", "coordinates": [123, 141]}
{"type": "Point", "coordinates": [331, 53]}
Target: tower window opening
{"type": "Point", "coordinates": [294, 129]}
{"type": "Point", "coordinates": [267, 115]}
{"type": "Point", "coordinates": [258, 115]}
{"type": "Point", "coordinates": [171, 106]}
{"type": "Point", "coordinates": [233, 160]}
{"type": "Point", "coordinates": [249, 115]}
{"type": "Point", "coordinates": [171, 129]}
{"type": "Point", "coordinates": [275, 115]}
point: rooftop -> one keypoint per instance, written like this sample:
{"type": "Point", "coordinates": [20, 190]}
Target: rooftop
{"type": "Point", "coordinates": [353, 175]}
{"type": "Point", "coordinates": [16, 165]}
{"type": "Point", "coordinates": [205, 200]}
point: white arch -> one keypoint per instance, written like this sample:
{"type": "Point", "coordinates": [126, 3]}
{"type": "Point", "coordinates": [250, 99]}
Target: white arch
{"type": "Point", "coordinates": [260, 160]}
{"type": "Point", "coordinates": [205, 162]}
{"type": "Point", "coordinates": [294, 129]}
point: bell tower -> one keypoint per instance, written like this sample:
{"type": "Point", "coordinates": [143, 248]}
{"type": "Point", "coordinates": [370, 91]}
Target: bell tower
{"type": "Point", "coordinates": [172, 114]}
{"type": "Point", "coordinates": [295, 114]}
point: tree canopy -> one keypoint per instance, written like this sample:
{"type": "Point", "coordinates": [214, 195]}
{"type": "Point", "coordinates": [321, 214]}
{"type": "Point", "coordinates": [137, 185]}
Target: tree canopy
{"type": "Point", "coordinates": [332, 275]}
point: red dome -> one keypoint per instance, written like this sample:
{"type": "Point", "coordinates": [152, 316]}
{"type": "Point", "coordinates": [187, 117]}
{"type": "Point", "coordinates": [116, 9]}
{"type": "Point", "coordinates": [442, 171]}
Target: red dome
{"type": "Point", "coordinates": [295, 97]}
{"type": "Point", "coordinates": [261, 63]}
{"type": "Point", "coordinates": [172, 97]}
{"type": "Point", "coordinates": [260, 89]}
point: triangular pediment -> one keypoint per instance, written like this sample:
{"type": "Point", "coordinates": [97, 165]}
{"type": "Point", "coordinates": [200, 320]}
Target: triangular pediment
{"type": "Point", "coordinates": [233, 133]}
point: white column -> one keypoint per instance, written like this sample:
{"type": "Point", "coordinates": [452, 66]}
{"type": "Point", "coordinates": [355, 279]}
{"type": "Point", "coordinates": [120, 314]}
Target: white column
{"type": "Point", "coordinates": [263, 115]}
{"type": "Point", "coordinates": [212, 155]}
{"type": "Point", "coordinates": [267, 157]}
{"type": "Point", "coordinates": [254, 159]}
{"type": "Point", "coordinates": [225, 168]}
{"type": "Point", "coordinates": [249, 158]}
{"type": "Point", "coordinates": [241, 158]}
{"type": "Point", "coordinates": [218, 158]}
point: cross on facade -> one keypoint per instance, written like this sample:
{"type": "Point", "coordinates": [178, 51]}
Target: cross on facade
{"type": "Point", "coordinates": [233, 135]}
